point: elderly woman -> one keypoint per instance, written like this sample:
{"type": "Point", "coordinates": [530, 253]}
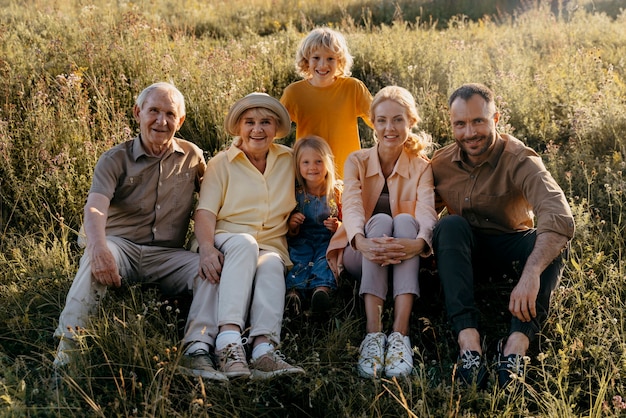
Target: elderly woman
{"type": "Point", "coordinates": [240, 224]}
{"type": "Point", "coordinates": [389, 214]}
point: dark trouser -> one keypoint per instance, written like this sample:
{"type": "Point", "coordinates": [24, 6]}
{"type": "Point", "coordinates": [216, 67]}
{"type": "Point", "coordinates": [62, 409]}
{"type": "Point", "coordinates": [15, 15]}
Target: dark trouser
{"type": "Point", "coordinates": [463, 254]}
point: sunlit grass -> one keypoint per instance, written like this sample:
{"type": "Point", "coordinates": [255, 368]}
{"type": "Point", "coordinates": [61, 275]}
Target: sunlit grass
{"type": "Point", "coordinates": [69, 74]}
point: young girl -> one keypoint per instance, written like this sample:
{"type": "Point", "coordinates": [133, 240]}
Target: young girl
{"type": "Point", "coordinates": [328, 101]}
{"type": "Point", "coordinates": [311, 225]}
{"type": "Point", "coordinates": [389, 207]}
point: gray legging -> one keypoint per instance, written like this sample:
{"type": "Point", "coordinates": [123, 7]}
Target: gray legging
{"type": "Point", "coordinates": [374, 278]}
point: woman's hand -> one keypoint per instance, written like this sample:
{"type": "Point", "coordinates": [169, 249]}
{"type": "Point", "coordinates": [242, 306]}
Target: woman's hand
{"type": "Point", "coordinates": [389, 250]}
{"type": "Point", "coordinates": [383, 250]}
{"type": "Point", "coordinates": [331, 223]}
{"type": "Point", "coordinates": [211, 262]}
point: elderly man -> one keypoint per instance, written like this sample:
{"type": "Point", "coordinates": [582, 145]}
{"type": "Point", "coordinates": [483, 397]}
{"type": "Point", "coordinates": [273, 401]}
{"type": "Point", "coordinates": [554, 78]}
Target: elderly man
{"type": "Point", "coordinates": [506, 211]}
{"type": "Point", "coordinates": [136, 220]}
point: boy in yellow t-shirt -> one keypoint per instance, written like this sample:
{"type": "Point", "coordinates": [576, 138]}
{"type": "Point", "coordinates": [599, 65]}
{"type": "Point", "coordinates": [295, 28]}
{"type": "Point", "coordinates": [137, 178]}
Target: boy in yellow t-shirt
{"type": "Point", "coordinates": [328, 101]}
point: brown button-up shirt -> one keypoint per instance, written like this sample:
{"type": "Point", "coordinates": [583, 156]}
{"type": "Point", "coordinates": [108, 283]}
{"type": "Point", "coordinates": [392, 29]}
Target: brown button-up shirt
{"type": "Point", "coordinates": [151, 198]}
{"type": "Point", "coordinates": [511, 191]}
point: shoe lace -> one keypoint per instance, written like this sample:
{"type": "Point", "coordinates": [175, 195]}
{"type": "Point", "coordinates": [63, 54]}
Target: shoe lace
{"type": "Point", "coordinates": [278, 355]}
{"type": "Point", "coordinates": [396, 345]}
{"type": "Point", "coordinates": [235, 352]}
{"type": "Point", "coordinates": [469, 360]}
{"type": "Point", "coordinates": [514, 365]}
{"type": "Point", "coordinates": [372, 348]}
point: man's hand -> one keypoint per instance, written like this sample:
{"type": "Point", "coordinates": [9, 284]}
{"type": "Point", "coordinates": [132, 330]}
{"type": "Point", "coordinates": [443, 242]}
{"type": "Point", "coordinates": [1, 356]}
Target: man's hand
{"type": "Point", "coordinates": [524, 298]}
{"type": "Point", "coordinates": [104, 267]}
{"type": "Point", "coordinates": [523, 302]}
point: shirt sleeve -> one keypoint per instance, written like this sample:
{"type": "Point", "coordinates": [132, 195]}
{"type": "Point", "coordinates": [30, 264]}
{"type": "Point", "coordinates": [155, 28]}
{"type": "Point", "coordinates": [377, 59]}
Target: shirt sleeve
{"type": "Point", "coordinates": [550, 207]}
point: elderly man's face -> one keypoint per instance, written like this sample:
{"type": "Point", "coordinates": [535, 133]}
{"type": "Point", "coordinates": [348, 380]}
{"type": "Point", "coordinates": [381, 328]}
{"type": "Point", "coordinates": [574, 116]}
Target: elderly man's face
{"type": "Point", "coordinates": [159, 119]}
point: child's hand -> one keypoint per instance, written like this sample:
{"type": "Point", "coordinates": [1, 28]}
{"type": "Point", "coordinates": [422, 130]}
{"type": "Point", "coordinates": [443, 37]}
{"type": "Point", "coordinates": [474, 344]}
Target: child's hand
{"type": "Point", "coordinates": [295, 220]}
{"type": "Point", "coordinates": [331, 223]}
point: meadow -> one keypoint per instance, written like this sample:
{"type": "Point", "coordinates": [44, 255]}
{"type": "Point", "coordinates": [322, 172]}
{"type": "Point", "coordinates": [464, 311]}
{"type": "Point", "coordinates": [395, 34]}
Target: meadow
{"type": "Point", "coordinates": [69, 73]}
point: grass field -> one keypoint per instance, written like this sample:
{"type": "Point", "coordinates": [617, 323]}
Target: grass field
{"type": "Point", "coordinates": [69, 73]}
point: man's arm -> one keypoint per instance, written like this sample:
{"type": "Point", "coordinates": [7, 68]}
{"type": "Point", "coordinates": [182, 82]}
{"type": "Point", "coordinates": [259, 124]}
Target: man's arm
{"type": "Point", "coordinates": [523, 300]}
{"type": "Point", "coordinates": [103, 265]}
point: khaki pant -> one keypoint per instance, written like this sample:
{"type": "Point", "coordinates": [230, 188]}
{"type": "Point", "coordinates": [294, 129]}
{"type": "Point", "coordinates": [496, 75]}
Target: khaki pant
{"type": "Point", "coordinates": [252, 286]}
{"type": "Point", "coordinates": [174, 270]}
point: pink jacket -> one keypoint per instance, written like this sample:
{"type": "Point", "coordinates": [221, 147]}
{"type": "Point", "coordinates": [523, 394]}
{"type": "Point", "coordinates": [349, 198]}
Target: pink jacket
{"type": "Point", "coordinates": [411, 191]}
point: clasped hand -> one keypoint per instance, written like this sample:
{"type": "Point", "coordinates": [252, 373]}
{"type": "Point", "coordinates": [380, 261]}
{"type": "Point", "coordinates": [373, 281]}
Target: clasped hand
{"type": "Point", "coordinates": [389, 250]}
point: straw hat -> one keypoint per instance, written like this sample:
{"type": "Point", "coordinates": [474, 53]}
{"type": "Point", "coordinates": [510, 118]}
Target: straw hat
{"type": "Point", "coordinates": [265, 101]}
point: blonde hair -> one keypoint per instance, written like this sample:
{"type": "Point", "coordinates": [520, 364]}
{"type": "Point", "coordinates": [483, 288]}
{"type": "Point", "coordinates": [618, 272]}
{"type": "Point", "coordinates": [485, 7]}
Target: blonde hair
{"type": "Point", "coordinates": [418, 143]}
{"type": "Point", "coordinates": [324, 38]}
{"type": "Point", "coordinates": [320, 146]}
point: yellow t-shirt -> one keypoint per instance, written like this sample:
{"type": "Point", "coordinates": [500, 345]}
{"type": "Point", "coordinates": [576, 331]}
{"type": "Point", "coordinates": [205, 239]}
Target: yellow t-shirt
{"type": "Point", "coordinates": [245, 200]}
{"type": "Point", "coordinates": [330, 112]}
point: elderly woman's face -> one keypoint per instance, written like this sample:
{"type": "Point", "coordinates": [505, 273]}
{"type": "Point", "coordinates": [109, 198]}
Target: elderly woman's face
{"type": "Point", "coordinates": [257, 129]}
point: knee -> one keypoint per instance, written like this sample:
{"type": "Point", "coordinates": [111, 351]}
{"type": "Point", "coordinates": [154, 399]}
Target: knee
{"type": "Point", "coordinates": [405, 226]}
{"type": "Point", "coordinates": [242, 243]}
{"type": "Point", "coordinates": [451, 227]}
{"type": "Point", "coordinates": [379, 225]}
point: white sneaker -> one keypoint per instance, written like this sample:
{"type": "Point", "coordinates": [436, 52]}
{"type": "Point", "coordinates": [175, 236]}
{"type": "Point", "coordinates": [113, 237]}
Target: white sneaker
{"type": "Point", "coordinates": [372, 355]}
{"type": "Point", "coordinates": [62, 356]}
{"type": "Point", "coordinates": [399, 358]}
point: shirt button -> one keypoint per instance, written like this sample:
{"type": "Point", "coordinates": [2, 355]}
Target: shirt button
{"type": "Point", "coordinates": [160, 184]}
{"type": "Point", "coordinates": [467, 199]}
{"type": "Point", "coordinates": [154, 230]}
{"type": "Point", "coordinates": [158, 207]}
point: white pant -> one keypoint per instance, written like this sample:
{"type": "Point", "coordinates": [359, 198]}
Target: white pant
{"type": "Point", "coordinates": [252, 281]}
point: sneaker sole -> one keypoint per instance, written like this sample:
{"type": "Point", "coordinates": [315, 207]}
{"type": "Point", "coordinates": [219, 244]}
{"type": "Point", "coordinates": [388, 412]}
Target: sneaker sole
{"type": "Point", "coordinates": [237, 375]}
{"type": "Point", "coordinates": [261, 375]}
{"type": "Point", "coordinates": [217, 376]}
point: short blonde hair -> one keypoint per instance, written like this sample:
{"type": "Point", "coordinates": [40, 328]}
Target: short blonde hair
{"type": "Point", "coordinates": [418, 143]}
{"type": "Point", "coordinates": [324, 38]}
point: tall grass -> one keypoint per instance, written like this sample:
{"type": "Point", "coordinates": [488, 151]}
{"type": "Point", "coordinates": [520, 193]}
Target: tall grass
{"type": "Point", "coordinates": [69, 73]}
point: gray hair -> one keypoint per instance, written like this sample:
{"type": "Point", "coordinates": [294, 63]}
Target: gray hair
{"type": "Point", "coordinates": [175, 94]}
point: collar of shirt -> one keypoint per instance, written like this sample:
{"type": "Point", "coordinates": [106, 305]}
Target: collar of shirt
{"type": "Point", "coordinates": [139, 151]}
{"type": "Point", "coordinates": [401, 167]}
{"type": "Point", "coordinates": [492, 159]}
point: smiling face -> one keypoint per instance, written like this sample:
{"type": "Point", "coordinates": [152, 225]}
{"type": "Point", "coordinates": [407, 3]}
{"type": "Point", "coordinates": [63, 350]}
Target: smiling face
{"type": "Point", "coordinates": [159, 118]}
{"type": "Point", "coordinates": [322, 67]}
{"type": "Point", "coordinates": [392, 124]}
{"type": "Point", "coordinates": [474, 127]}
{"type": "Point", "coordinates": [257, 129]}
{"type": "Point", "coordinates": [312, 168]}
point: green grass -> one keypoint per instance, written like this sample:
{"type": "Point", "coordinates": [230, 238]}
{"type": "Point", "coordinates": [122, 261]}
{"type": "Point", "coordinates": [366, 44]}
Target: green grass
{"type": "Point", "coordinates": [69, 72]}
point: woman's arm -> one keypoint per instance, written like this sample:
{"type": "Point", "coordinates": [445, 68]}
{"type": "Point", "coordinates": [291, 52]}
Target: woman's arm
{"type": "Point", "coordinates": [211, 259]}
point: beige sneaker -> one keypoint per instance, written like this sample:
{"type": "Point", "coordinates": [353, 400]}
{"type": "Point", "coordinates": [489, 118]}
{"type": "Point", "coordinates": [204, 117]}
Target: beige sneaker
{"type": "Point", "coordinates": [273, 364]}
{"type": "Point", "coordinates": [232, 361]}
{"type": "Point", "coordinates": [200, 364]}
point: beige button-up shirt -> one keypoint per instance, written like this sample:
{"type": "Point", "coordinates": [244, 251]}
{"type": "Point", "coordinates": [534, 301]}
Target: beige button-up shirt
{"type": "Point", "coordinates": [151, 198]}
